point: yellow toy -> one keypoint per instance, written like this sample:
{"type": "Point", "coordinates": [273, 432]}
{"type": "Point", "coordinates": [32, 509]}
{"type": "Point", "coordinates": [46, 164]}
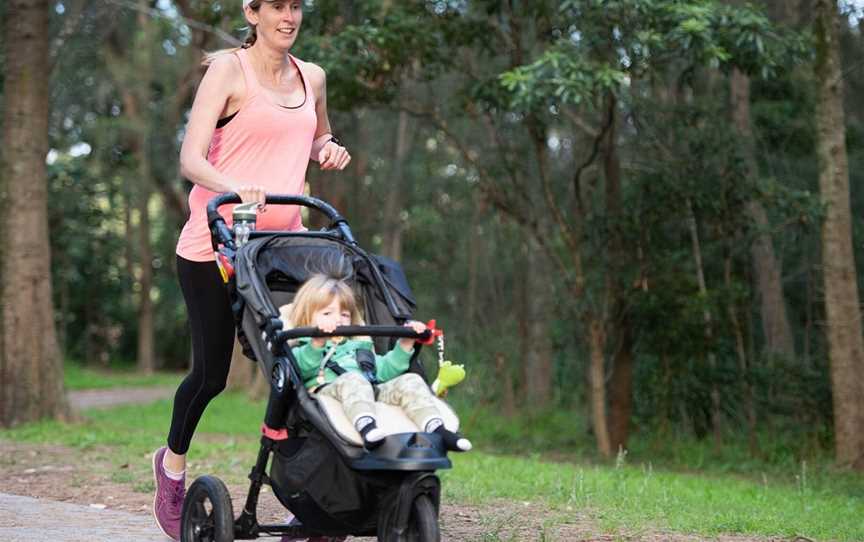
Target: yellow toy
{"type": "Point", "coordinates": [448, 376]}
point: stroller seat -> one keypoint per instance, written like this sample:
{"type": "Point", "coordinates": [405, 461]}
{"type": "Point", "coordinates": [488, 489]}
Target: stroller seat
{"type": "Point", "coordinates": [391, 419]}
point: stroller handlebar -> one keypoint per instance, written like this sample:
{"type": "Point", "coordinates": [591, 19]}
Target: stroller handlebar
{"type": "Point", "coordinates": [222, 234]}
{"type": "Point", "coordinates": [403, 332]}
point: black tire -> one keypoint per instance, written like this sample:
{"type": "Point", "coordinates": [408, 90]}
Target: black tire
{"type": "Point", "coordinates": [203, 523]}
{"type": "Point", "coordinates": [423, 522]}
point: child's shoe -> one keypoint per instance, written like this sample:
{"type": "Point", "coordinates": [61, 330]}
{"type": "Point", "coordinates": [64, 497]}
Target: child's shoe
{"type": "Point", "coordinates": [168, 501]}
{"type": "Point", "coordinates": [453, 441]}
{"type": "Point", "coordinates": [369, 431]}
{"type": "Point", "coordinates": [373, 436]}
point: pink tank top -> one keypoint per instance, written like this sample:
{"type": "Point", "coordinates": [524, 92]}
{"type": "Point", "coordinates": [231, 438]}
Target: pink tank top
{"type": "Point", "coordinates": [264, 144]}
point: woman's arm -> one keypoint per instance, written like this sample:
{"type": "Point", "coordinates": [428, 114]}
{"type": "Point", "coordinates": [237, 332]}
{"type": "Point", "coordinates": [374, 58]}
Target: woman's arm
{"type": "Point", "coordinates": [329, 154]}
{"type": "Point", "coordinates": [221, 87]}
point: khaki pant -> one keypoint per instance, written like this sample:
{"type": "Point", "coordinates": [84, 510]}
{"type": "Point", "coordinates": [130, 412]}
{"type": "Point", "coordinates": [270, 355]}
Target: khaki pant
{"type": "Point", "coordinates": [407, 391]}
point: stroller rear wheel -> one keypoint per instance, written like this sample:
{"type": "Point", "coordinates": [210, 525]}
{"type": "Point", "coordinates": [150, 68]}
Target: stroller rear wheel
{"type": "Point", "coordinates": [423, 523]}
{"type": "Point", "coordinates": [207, 512]}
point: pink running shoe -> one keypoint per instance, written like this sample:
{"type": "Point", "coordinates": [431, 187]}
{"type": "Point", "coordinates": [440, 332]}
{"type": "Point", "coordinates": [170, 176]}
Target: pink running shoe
{"type": "Point", "coordinates": [168, 502]}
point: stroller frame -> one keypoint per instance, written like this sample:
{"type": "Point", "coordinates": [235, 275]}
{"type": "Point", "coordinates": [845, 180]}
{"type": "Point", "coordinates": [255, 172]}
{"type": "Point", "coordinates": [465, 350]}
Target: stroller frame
{"type": "Point", "coordinates": [409, 459]}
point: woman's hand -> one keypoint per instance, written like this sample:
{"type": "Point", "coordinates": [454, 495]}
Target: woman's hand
{"type": "Point", "coordinates": [252, 193]}
{"type": "Point", "coordinates": [333, 156]}
{"type": "Point", "coordinates": [408, 344]}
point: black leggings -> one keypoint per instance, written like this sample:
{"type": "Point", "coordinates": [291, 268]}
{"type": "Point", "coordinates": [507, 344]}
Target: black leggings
{"type": "Point", "coordinates": [212, 328]}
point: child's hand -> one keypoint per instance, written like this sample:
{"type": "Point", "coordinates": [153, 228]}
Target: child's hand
{"type": "Point", "coordinates": [408, 344]}
{"type": "Point", "coordinates": [319, 342]}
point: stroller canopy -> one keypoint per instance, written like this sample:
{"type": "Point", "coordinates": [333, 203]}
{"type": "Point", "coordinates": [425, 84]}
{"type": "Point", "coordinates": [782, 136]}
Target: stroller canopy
{"type": "Point", "coordinates": [270, 269]}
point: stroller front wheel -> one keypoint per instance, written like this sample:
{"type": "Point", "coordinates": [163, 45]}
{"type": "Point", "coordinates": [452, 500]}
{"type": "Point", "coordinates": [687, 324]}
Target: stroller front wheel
{"type": "Point", "coordinates": [207, 512]}
{"type": "Point", "coordinates": [423, 523]}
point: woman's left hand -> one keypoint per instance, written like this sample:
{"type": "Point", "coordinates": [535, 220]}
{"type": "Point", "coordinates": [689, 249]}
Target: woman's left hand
{"type": "Point", "coordinates": [333, 156]}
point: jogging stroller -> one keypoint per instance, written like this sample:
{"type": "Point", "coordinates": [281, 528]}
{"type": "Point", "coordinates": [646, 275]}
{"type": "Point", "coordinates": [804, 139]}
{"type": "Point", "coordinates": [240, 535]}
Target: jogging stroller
{"type": "Point", "coordinates": [319, 469]}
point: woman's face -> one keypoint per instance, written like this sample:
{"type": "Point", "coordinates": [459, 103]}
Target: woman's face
{"type": "Point", "coordinates": [277, 22]}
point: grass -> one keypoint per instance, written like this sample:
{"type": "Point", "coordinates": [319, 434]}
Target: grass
{"type": "Point", "coordinates": [79, 377]}
{"type": "Point", "coordinates": [702, 495]}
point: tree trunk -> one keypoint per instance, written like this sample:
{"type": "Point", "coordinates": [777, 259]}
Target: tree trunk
{"type": "Point", "coordinates": [597, 382]}
{"type": "Point", "coordinates": [392, 220]}
{"type": "Point", "coordinates": [621, 388]}
{"type": "Point", "coordinates": [242, 371]}
{"type": "Point", "coordinates": [621, 381]}
{"type": "Point", "coordinates": [140, 234]}
{"type": "Point", "coordinates": [842, 313]}
{"type": "Point", "coordinates": [766, 267]}
{"type": "Point", "coordinates": [502, 372]}
{"type": "Point", "coordinates": [134, 85]}
{"type": "Point", "coordinates": [31, 368]}
{"type": "Point", "coordinates": [146, 326]}
{"type": "Point", "coordinates": [536, 348]}
{"type": "Point", "coordinates": [741, 353]}
{"type": "Point", "coordinates": [709, 326]}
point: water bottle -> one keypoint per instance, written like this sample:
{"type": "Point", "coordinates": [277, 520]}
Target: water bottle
{"type": "Point", "coordinates": [244, 217]}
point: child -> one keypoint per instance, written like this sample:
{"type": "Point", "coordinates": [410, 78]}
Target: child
{"type": "Point", "coordinates": [338, 367]}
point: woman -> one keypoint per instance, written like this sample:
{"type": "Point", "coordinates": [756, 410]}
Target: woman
{"type": "Point", "coordinates": [258, 117]}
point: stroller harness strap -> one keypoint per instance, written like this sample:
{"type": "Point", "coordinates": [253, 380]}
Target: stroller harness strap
{"type": "Point", "coordinates": [365, 360]}
{"type": "Point", "coordinates": [328, 363]}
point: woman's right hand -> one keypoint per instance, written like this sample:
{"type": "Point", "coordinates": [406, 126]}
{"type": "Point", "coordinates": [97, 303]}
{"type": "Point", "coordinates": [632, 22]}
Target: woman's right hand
{"type": "Point", "coordinates": [252, 193]}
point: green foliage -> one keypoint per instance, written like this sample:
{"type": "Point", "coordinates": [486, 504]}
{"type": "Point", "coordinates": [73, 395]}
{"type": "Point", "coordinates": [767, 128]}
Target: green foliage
{"type": "Point", "coordinates": [644, 37]}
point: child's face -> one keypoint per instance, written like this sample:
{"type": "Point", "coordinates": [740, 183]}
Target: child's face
{"type": "Point", "coordinates": [331, 316]}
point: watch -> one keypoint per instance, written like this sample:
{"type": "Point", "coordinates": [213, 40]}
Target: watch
{"type": "Point", "coordinates": [334, 139]}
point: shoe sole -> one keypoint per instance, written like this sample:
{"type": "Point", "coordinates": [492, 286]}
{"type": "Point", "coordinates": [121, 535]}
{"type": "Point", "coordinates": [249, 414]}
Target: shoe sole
{"type": "Point", "coordinates": [156, 495]}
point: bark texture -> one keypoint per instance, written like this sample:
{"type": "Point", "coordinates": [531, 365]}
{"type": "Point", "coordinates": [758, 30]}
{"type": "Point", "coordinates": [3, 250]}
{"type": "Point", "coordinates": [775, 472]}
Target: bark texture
{"type": "Point", "coordinates": [843, 316]}
{"type": "Point", "coordinates": [31, 369]}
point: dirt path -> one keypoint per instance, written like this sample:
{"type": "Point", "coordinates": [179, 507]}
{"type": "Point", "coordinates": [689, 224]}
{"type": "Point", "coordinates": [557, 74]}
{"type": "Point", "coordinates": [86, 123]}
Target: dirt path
{"type": "Point", "coordinates": [82, 399]}
{"type": "Point", "coordinates": [24, 519]}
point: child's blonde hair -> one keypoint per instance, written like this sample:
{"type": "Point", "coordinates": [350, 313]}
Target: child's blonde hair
{"type": "Point", "coordinates": [319, 291]}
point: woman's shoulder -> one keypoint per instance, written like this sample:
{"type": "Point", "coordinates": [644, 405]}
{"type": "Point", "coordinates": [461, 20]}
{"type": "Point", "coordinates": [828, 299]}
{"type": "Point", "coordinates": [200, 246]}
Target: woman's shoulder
{"type": "Point", "coordinates": [310, 67]}
{"type": "Point", "coordinates": [225, 64]}
{"type": "Point", "coordinates": [316, 74]}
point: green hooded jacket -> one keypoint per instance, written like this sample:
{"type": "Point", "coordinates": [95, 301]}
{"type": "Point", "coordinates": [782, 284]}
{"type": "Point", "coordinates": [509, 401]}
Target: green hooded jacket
{"type": "Point", "coordinates": [388, 366]}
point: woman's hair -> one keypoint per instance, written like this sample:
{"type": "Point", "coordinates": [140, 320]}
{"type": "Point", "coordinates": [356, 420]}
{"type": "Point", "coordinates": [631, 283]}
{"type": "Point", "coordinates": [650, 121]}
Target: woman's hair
{"type": "Point", "coordinates": [319, 291]}
{"type": "Point", "coordinates": [248, 41]}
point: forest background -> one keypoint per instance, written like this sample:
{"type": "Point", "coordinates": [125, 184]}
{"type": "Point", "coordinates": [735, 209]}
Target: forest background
{"type": "Point", "coordinates": [616, 209]}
